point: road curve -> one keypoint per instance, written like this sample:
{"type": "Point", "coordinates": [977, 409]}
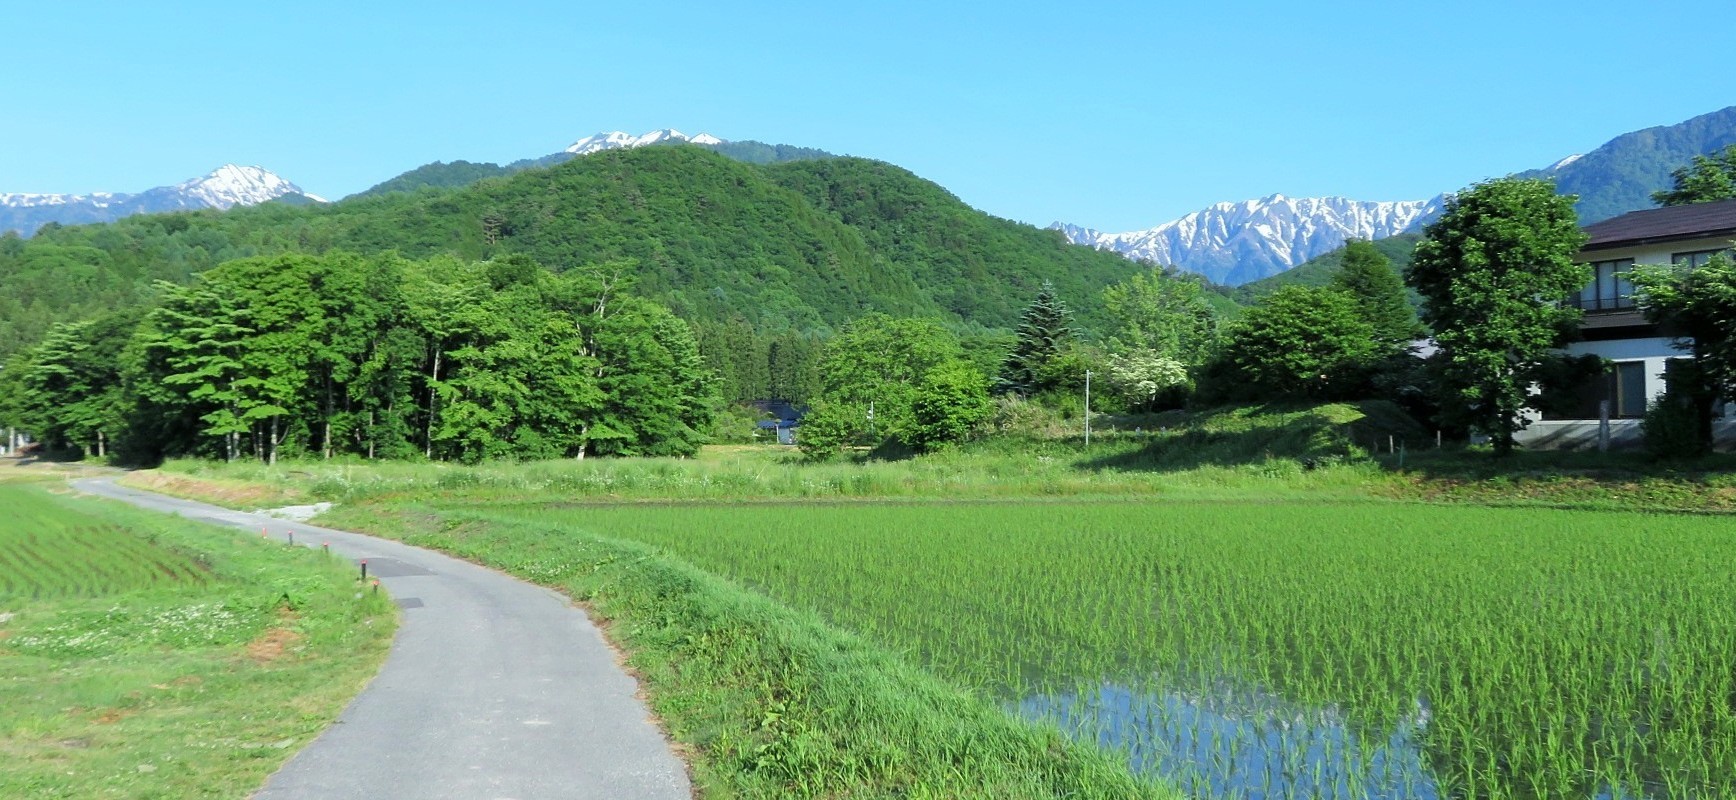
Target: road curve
{"type": "Point", "coordinates": [495, 689]}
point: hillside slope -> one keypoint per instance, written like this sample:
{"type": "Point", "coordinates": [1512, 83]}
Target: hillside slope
{"type": "Point", "coordinates": [1621, 175]}
{"type": "Point", "coordinates": [799, 246]}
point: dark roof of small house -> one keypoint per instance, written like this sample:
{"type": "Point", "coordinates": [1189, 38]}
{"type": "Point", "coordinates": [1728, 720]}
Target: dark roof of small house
{"type": "Point", "coordinates": [784, 410]}
{"type": "Point", "coordinates": [1696, 221]}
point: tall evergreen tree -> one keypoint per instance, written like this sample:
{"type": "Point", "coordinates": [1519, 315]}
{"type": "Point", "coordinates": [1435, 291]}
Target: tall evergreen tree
{"type": "Point", "coordinates": [1045, 332]}
{"type": "Point", "coordinates": [1368, 277]}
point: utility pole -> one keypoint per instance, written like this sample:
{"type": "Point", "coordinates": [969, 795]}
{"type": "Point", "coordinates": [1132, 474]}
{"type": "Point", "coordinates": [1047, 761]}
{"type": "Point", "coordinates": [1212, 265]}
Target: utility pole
{"type": "Point", "coordinates": [1087, 408]}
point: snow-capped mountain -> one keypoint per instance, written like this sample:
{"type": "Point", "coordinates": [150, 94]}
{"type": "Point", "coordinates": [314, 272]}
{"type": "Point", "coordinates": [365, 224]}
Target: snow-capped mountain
{"type": "Point", "coordinates": [613, 140]}
{"type": "Point", "coordinates": [1234, 243]}
{"type": "Point", "coordinates": [225, 187]}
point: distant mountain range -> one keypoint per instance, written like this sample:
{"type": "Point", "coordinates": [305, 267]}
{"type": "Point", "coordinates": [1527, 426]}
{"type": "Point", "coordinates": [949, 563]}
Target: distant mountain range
{"type": "Point", "coordinates": [1234, 243]}
{"type": "Point", "coordinates": [442, 175]}
{"type": "Point", "coordinates": [230, 185]}
{"type": "Point", "coordinates": [1621, 174]}
{"type": "Point", "coordinates": [1237, 243]}
{"type": "Point", "coordinates": [225, 187]}
{"type": "Point", "coordinates": [1230, 243]}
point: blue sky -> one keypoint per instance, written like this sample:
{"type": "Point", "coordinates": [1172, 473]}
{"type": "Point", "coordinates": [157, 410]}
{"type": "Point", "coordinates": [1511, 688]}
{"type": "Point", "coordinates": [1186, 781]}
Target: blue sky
{"type": "Point", "coordinates": [1113, 115]}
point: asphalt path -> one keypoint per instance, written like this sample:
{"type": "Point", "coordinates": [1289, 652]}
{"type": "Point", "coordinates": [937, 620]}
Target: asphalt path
{"type": "Point", "coordinates": [495, 689]}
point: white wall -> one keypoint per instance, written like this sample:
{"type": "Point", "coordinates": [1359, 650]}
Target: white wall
{"type": "Point", "coordinates": [1653, 351]}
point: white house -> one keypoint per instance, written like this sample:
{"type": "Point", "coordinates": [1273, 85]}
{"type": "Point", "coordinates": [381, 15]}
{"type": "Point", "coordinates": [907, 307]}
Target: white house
{"type": "Point", "coordinates": [1616, 330]}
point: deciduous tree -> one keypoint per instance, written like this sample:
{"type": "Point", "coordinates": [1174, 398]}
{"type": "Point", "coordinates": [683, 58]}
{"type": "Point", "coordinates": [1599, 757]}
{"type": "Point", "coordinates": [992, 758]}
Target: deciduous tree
{"type": "Point", "coordinates": [1492, 272]}
{"type": "Point", "coordinates": [1710, 177]}
{"type": "Point", "coordinates": [1699, 305]}
{"type": "Point", "coordinates": [1300, 342]}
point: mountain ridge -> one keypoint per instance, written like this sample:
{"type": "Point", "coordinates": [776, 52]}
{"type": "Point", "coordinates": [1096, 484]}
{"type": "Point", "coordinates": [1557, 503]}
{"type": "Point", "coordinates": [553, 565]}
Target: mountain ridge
{"type": "Point", "coordinates": [223, 188]}
{"type": "Point", "coordinates": [1233, 243]}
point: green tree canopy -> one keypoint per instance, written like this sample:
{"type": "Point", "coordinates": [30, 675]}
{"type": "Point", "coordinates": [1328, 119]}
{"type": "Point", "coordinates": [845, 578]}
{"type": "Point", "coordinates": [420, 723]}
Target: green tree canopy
{"type": "Point", "coordinates": [1299, 342]}
{"type": "Point", "coordinates": [1045, 333]}
{"type": "Point", "coordinates": [1710, 177]}
{"type": "Point", "coordinates": [1492, 271]}
{"type": "Point", "coordinates": [1160, 311]}
{"type": "Point", "coordinates": [1699, 305]}
{"type": "Point", "coordinates": [871, 377]}
{"type": "Point", "coordinates": [1368, 277]}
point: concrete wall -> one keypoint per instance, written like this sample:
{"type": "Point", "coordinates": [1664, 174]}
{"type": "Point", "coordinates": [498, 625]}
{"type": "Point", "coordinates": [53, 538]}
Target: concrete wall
{"type": "Point", "coordinates": [1624, 434]}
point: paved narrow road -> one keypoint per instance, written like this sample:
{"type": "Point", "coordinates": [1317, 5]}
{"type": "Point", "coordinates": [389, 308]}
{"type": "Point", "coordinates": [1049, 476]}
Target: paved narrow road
{"type": "Point", "coordinates": [494, 689]}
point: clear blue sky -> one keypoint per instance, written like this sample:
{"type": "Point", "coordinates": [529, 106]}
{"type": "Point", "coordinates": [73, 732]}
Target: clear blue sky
{"type": "Point", "coordinates": [1109, 114]}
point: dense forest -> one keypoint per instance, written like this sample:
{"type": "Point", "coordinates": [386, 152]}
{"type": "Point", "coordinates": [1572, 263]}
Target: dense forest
{"type": "Point", "coordinates": [762, 260]}
{"type": "Point", "coordinates": [373, 356]}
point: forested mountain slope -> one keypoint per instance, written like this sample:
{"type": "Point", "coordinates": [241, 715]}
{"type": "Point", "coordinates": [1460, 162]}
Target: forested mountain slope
{"type": "Point", "coordinates": [1621, 174]}
{"type": "Point", "coordinates": [1318, 271]}
{"type": "Point", "coordinates": [795, 246]}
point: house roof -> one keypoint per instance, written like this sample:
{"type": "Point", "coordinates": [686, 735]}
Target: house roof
{"type": "Point", "coordinates": [1696, 221]}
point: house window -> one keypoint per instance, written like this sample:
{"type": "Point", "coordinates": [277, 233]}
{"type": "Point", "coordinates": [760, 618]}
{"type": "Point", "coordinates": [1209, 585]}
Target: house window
{"type": "Point", "coordinates": [1628, 393]}
{"type": "Point", "coordinates": [1695, 259]}
{"type": "Point", "coordinates": [1609, 288]}
{"type": "Point", "coordinates": [1623, 387]}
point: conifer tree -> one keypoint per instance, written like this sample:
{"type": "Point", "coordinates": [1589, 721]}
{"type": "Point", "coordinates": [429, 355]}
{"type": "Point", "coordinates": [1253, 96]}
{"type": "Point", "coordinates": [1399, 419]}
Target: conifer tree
{"type": "Point", "coordinates": [1045, 332]}
{"type": "Point", "coordinates": [1369, 279]}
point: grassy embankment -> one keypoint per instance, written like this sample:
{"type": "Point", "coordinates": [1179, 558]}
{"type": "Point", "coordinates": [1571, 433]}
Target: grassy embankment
{"type": "Point", "coordinates": [773, 701]}
{"type": "Point", "coordinates": [144, 656]}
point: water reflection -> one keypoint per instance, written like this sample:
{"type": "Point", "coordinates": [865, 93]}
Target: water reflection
{"type": "Point", "coordinates": [1248, 746]}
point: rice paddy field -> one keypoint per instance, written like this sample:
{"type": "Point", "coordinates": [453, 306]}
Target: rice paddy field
{"type": "Point", "coordinates": [145, 656]}
{"type": "Point", "coordinates": [1278, 649]}
{"type": "Point", "coordinates": [1222, 621]}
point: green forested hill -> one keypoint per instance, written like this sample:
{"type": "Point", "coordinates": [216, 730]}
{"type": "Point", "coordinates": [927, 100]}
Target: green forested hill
{"type": "Point", "coordinates": [798, 246]}
{"type": "Point", "coordinates": [458, 174]}
{"type": "Point", "coordinates": [438, 175]}
{"type": "Point", "coordinates": [1318, 271]}
{"type": "Point", "coordinates": [981, 268]}
{"type": "Point", "coordinates": [1621, 175]}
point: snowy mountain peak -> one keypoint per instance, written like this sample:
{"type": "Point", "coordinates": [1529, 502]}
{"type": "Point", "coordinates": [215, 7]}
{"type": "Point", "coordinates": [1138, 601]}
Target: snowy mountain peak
{"type": "Point", "coordinates": [1233, 243]}
{"type": "Point", "coordinates": [225, 187]}
{"type": "Point", "coordinates": [1564, 162]}
{"type": "Point", "coordinates": [231, 185]}
{"type": "Point", "coordinates": [614, 140]}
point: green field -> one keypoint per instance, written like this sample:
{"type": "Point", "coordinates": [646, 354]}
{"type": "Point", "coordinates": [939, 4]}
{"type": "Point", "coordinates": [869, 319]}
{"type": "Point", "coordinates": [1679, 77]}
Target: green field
{"type": "Point", "coordinates": [145, 656]}
{"type": "Point", "coordinates": [1553, 653]}
{"type": "Point", "coordinates": [45, 552]}
{"type": "Point", "coordinates": [1237, 624]}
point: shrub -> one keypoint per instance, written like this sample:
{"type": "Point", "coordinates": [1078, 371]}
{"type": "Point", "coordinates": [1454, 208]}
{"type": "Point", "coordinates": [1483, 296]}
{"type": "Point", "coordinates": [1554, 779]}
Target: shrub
{"type": "Point", "coordinates": [1671, 429]}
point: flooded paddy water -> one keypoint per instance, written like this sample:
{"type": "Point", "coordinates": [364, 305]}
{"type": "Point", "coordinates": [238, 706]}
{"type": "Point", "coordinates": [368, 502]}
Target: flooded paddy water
{"type": "Point", "coordinates": [1379, 651]}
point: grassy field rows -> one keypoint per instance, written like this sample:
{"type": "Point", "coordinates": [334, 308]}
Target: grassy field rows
{"type": "Point", "coordinates": [1248, 626]}
{"type": "Point", "coordinates": [47, 553]}
{"type": "Point", "coordinates": [1556, 653]}
{"type": "Point", "coordinates": [143, 656]}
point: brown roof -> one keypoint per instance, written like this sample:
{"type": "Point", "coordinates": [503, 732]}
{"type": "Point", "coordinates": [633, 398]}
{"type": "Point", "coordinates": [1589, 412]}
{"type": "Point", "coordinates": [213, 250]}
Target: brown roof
{"type": "Point", "coordinates": [1697, 221]}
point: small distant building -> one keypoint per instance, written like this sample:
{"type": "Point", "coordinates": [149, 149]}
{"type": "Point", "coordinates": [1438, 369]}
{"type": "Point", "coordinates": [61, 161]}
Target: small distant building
{"type": "Point", "coordinates": [1615, 329]}
{"type": "Point", "coordinates": [785, 418]}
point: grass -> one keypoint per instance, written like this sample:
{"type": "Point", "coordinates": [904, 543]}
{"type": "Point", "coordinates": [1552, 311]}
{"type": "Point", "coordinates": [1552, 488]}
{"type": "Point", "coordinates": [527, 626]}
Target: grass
{"type": "Point", "coordinates": [1295, 452]}
{"type": "Point", "coordinates": [1559, 653]}
{"type": "Point", "coordinates": [770, 701]}
{"type": "Point", "coordinates": [1515, 627]}
{"type": "Point", "coordinates": [143, 656]}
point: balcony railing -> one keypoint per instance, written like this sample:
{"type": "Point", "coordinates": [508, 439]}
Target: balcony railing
{"type": "Point", "coordinates": [1595, 304]}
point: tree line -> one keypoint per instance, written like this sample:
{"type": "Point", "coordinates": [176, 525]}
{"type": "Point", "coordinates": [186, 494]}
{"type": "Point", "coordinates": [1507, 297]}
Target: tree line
{"type": "Point", "coordinates": [1493, 273]}
{"type": "Point", "coordinates": [379, 357]}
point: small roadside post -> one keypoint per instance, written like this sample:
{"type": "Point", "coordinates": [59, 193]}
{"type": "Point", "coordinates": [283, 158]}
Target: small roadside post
{"type": "Point", "coordinates": [1087, 408]}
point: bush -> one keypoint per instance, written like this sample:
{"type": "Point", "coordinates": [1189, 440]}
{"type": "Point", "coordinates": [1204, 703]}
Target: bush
{"type": "Point", "coordinates": [1672, 430]}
